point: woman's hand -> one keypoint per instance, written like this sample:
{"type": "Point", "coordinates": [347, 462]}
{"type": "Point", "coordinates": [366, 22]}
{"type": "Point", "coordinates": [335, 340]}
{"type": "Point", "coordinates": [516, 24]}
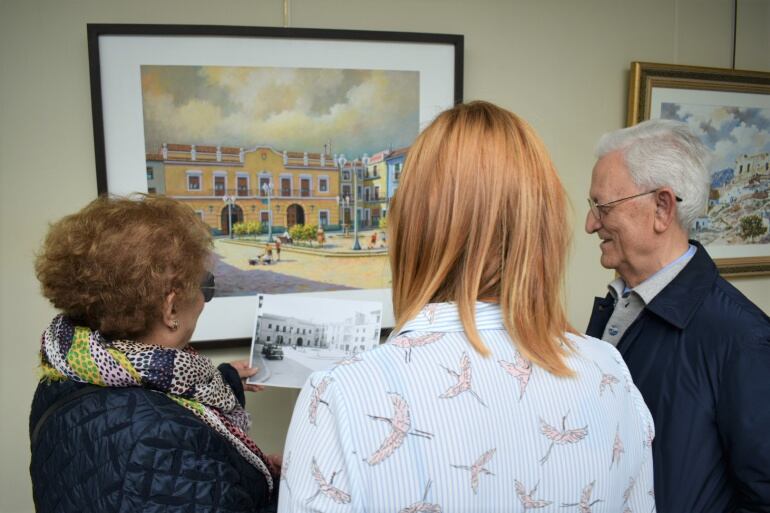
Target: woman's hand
{"type": "Point", "coordinates": [276, 460]}
{"type": "Point", "coordinates": [244, 371]}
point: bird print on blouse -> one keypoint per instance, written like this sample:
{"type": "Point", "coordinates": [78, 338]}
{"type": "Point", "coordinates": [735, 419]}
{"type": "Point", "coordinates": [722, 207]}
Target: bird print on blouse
{"type": "Point", "coordinates": [400, 427]}
{"type": "Point", "coordinates": [409, 343]}
{"type": "Point", "coordinates": [651, 493]}
{"type": "Point", "coordinates": [521, 369]}
{"type": "Point", "coordinates": [526, 498]}
{"type": "Point", "coordinates": [422, 506]}
{"type": "Point", "coordinates": [478, 468]}
{"type": "Point", "coordinates": [325, 487]}
{"type": "Point", "coordinates": [285, 470]}
{"type": "Point", "coordinates": [395, 427]}
{"type": "Point", "coordinates": [316, 399]}
{"type": "Point", "coordinates": [463, 380]}
{"type": "Point", "coordinates": [584, 506]}
{"type": "Point", "coordinates": [647, 442]}
{"type": "Point", "coordinates": [561, 437]}
{"type": "Point", "coordinates": [350, 360]}
{"type": "Point", "coordinates": [617, 448]}
{"type": "Point", "coordinates": [626, 378]}
{"type": "Point", "coordinates": [607, 381]}
{"type": "Point", "coordinates": [430, 312]}
{"type": "Point", "coordinates": [627, 492]}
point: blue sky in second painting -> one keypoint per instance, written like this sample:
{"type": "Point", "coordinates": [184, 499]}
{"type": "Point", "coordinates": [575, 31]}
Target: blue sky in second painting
{"type": "Point", "coordinates": [294, 109]}
{"type": "Point", "coordinates": [727, 131]}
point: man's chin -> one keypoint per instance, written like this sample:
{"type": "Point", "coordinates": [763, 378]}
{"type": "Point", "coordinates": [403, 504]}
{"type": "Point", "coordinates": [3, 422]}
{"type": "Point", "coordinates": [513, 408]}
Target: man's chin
{"type": "Point", "coordinates": [608, 262]}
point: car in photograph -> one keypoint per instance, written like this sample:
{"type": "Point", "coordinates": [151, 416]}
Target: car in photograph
{"type": "Point", "coordinates": [272, 352]}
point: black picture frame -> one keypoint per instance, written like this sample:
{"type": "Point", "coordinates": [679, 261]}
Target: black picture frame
{"type": "Point", "coordinates": [97, 34]}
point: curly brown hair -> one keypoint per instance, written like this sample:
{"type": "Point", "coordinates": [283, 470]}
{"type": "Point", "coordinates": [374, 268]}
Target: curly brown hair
{"type": "Point", "coordinates": [111, 265]}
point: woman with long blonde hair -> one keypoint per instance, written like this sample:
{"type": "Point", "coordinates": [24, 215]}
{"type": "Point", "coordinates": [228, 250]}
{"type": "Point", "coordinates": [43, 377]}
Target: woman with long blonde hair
{"type": "Point", "coordinates": [484, 398]}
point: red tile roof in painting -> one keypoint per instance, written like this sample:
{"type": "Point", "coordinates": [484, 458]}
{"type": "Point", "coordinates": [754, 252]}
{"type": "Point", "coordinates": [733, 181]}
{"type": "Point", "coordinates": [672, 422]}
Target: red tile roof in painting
{"type": "Point", "coordinates": [378, 157]}
{"type": "Point", "coordinates": [398, 152]}
{"type": "Point", "coordinates": [301, 155]}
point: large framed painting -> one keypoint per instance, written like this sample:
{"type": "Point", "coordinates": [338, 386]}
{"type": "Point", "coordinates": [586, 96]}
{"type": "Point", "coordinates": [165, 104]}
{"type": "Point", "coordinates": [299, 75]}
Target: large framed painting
{"type": "Point", "coordinates": [730, 111]}
{"type": "Point", "coordinates": [288, 143]}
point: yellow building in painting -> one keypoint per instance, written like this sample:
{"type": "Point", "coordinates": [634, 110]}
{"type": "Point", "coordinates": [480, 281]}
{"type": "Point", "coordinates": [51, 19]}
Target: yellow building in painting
{"type": "Point", "coordinates": [228, 185]}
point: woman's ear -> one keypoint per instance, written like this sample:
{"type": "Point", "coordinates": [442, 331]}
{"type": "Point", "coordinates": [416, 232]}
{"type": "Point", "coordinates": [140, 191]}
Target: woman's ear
{"type": "Point", "coordinates": [665, 209]}
{"type": "Point", "coordinates": [169, 313]}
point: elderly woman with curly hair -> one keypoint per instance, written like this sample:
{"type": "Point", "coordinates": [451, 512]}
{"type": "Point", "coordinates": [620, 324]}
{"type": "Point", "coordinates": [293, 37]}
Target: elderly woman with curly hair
{"type": "Point", "coordinates": [128, 417]}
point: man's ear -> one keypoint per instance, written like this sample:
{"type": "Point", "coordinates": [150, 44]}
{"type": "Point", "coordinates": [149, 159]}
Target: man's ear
{"type": "Point", "coordinates": [169, 311]}
{"type": "Point", "coordinates": [665, 209]}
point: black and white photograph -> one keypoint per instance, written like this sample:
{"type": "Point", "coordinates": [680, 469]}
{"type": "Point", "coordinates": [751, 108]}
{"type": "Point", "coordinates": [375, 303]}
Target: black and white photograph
{"type": "Point", "coordinates": [294, 337]}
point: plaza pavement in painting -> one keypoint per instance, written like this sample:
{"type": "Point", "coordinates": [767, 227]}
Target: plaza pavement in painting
{"type": "Point", "coordinates": [298, 270]}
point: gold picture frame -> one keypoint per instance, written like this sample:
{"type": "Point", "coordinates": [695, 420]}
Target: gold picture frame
{"type": "Point", "coordinates": [716, 102]}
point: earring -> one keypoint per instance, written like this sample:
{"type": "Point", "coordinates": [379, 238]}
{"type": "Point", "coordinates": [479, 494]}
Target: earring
{"type": "Point", "coordinates": [174, 325]}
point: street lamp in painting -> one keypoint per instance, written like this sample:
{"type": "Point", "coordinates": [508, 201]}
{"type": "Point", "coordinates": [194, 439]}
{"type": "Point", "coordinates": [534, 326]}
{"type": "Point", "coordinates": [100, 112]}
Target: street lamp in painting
{"type": "Point", "coordinates": [343, 202]}
{"type": "Point", "coordinates": [267, 188]}
{"type": "Point", "coordinates": [229, 201]}
{"type": "Point", "coordinates": [341, 161]}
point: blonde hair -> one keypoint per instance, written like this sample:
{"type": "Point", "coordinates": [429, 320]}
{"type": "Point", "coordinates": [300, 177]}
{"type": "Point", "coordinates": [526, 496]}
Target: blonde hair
{"type": "Point", "coordinates": [480, 214]}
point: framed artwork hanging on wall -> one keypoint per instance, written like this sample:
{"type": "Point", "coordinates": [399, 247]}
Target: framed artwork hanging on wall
{"type": "Point", "coordinates": [288, 143]}
{"type": "Point", "coordinates": [730, 111]}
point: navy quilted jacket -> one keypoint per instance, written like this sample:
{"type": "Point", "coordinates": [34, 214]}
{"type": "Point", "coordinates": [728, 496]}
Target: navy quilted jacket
{"type": "Point", "coordinates": [135, 450]}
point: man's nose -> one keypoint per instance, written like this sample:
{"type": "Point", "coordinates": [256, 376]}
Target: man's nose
{"type": "Point", "coordinates": [592, 223]}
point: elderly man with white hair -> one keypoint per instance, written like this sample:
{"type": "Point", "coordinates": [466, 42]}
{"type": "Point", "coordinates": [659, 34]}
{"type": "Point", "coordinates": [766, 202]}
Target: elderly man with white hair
{"type": "Point", "coordinates": [697, 349]}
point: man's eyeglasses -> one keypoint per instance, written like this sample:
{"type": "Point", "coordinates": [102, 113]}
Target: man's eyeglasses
{"type": "Point", "coordinates": [208, 288]}
{"type": "Point", "coordinates": [599, 209]}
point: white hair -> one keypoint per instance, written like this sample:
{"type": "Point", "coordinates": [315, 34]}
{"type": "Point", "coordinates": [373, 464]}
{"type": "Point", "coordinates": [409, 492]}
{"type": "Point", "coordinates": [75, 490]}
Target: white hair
{"type": "Point", "coordinates": [665, 153]}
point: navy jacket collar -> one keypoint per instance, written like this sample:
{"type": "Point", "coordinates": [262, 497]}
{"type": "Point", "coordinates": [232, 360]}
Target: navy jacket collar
{"type": "Point", "coordinates": [681, 298]}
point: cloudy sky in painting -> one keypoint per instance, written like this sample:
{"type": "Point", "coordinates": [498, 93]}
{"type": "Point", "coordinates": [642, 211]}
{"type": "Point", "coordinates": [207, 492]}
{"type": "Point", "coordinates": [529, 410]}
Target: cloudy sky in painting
{"type": "Point", "coordinates": [294, 109]}
{"type": "Point", "coordinates": [727, 131]}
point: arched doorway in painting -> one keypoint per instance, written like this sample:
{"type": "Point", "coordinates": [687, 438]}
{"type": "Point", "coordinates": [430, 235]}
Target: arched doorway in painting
{"type": "Point", "coordinates": [236, 216]}
{"type": "Point", "coordinates": [299, 342]}
{"type": "Point", "coordinates": [295, 214]}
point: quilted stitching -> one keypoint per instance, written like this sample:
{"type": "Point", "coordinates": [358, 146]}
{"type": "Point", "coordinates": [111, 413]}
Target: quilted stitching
{"type": "Point", "coordinates": [129, 450]}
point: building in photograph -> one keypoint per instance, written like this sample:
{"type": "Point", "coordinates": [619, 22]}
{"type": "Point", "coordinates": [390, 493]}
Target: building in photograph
{"type": "Point", "coordinates": [359, 332]}
{"type": "Point", "coordinates": [289, 331]}
{"type": "Point", "coordinates": [228, 185]}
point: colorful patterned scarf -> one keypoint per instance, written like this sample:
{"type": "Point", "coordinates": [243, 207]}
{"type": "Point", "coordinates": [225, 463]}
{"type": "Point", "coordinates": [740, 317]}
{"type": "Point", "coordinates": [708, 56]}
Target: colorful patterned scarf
{"type": "Point", "coordinates": [79, 354]}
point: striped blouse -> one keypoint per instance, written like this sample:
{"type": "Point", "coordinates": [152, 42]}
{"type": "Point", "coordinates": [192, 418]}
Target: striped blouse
{"type": "Point", "coordinates": [425, 424]}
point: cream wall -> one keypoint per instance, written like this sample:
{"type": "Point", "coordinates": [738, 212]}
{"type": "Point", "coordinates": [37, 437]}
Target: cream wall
{"type": "Point", "coordinates": [561, 64]}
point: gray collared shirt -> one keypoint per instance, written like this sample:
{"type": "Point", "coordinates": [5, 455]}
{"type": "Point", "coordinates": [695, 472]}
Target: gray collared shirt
{"type": "Point", "coordinates": [629, 303]}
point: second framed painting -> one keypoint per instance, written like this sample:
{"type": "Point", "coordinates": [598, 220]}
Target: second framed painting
{"type": "Point", "coordinates": [288, 143]}
{"type": "Point", "coordinates": [730, 111]}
